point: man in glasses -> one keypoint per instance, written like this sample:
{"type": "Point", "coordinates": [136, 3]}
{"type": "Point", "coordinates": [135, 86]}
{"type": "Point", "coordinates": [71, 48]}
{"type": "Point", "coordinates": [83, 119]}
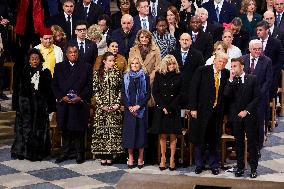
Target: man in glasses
{"type": "Point", "coordinates": [88, 50]}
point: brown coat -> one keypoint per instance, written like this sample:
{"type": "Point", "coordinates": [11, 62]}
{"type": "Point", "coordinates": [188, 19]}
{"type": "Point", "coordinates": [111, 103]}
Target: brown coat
{"type": "Point", "coordinates": [151, 64]}
{"type": "Point", "coordinates": [120, 62]}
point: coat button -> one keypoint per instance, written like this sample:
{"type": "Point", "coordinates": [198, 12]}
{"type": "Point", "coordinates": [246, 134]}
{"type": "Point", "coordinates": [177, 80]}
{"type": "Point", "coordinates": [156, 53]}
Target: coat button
{"type": "Point", "coordinates": [172, 95]}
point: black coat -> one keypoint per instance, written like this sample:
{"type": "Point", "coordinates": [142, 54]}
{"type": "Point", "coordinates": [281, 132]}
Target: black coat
{"type": "Point", "coordinates": [193, 60]}
{"type": "Point", "coordinates": [94, 12]}
{"type": "Point", "coordinates": [91, 51]}
{"type": "Point", "coordinates": [278, 34]}
{"type": "Point", "coordinates": [60, 20]}
{"type": "Point", "coordinates": [32, 116]}
{"type": "Point", "coordinates": [77, 78]}
{"type": "Point", "coordinates": [202, 97]}
{"type": "Point", "coordinates": [203, 43]}
{"type": "Point", "coordinates": [243, 97]}
{"type": "Point", "coordinates": [167, 93]}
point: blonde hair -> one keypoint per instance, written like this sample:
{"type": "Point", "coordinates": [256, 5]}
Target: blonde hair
{"type": "Point", "coordinates": [221, 55]}
{"type": "Point", "coordinates": [220, 43]}
{"type": "Point", "coordinates": [163, 69]}
{"type": "Point", "coordinates": [147, 34]}
{"type": "Point", "coordinates": [55, 29]}
{"type": "Point", "coordinates": [131, 59]}
{"type": "Point", "coordinates": [94, 32]}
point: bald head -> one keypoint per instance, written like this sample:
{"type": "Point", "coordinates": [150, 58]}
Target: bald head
{"type": "Point", "coordinates": [269, 17]}
{"type": "Point", "coordinates": [126, 22]}
{"type": "Point", "coordinates": [185, 41]}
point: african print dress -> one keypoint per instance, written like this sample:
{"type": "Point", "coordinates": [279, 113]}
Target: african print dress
{"type": "Point", "coordinates": [107, 134]}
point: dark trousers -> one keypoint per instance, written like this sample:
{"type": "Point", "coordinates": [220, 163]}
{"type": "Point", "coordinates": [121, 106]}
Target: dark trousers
{"type": "Point", "coordinates": [211, 139]}
{"type": "Point", "coordinates": [261, 118]}
{"type": "Point", "coordinates": [250, 129]}
{"type": "Point", "coordinates": [72, 139]}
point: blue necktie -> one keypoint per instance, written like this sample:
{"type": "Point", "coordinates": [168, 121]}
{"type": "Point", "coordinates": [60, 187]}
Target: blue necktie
{"type": "Point", "coordinates": [144, 23]}
{"type": "Point", "coordinates": [81, 48]}
{"type": "Point", "coordinates": [154, 10]}
{"type": "Point", "coordinates": [183, 57]}
{"type": "Point", "coordinates": [278, 20]}
{"type": "Point", "coordinates": [217, 12]}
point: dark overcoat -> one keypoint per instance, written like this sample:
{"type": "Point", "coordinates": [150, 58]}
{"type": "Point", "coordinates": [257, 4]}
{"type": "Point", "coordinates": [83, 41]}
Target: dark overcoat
{"type": "Point", "coordinates": [77, 78]}
{"type": "Point", "coordinates": [135, 129]}
{"type": "Point", "coordinates": [202, 97]}
{"type": "Point", "coordinates": [167, 92]}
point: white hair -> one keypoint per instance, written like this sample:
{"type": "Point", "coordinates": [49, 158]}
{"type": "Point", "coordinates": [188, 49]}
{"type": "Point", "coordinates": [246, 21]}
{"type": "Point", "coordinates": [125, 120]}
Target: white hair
{"type": "Point", "coordinates": [253, 42]}
{"type": "Point", "coordinates": [198, 10]}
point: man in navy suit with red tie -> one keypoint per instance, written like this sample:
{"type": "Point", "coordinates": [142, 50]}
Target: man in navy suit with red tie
{"type": "Point", "coordinates": [260, 65]}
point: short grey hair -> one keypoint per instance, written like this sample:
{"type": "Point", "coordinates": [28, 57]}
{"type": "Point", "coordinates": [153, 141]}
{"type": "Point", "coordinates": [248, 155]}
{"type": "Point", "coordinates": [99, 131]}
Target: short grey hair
{"type": "Point", "coordinates": [253, 42]}
{"type": "Point", "coordinates": [198, 10]}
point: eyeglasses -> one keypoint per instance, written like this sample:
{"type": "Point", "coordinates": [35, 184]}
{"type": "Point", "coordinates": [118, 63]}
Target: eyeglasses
{"type": "Point", "coordinates": [257, 49]}
{"type": "Point", "coordinates": [81, 30]}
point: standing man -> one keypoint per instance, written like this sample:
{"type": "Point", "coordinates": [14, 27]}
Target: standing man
{"type": "Point", "coordinates": [65, 19]}
{"type": "Point", "coordinates": [206, 106]}
{"type": "Point", "coordinates": [220, 11]}
{"type": "Point", "coordinates": [125, 36]}
{"type": "Point", "coordinates": [279, 10]}
{"type": "Point", "coordinates": [144, 20]}
{"type": "Point", "coordinates": [261, 66]}
{"type": "Point", "coordinates": [72, 87]}
{"type": "Point", "coordinates": [243, 92]}
{"type": "Point", "coordinates": [88, 50]}
{"type": "Point", "coordinates": [189, 59]}
{"type": "Point", "coordinates": [274, 31]}
{"type": "Point", "coordinates": [200, 40]}
{"type": "Point", "coordinates": [88, 11]}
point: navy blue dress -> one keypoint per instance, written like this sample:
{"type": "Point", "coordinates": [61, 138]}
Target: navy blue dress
{"type": "Point", "coordinates": [135, 129]}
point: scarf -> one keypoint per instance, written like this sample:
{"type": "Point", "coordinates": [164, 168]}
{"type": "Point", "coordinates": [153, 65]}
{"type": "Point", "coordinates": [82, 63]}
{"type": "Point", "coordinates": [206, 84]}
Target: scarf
{"type": "Point", "coordinates": [141, 88]}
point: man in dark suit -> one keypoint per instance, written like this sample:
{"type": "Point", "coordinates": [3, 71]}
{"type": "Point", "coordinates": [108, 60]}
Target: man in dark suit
{"type": "Point", "coordinates": [105, 5]}
{"type": "Point", "coordinates": [200, 40]}
{"type": "Point", "coordinates": [159, 8]}
{"type": "Point", "coordinates": [273, 49]}
{"type": "Point", "coordinates": [206, 107]}
{"type": "Point", "coordinates": [65, 19]}
{"type": "Point", "coordinates": [104, 22]}
{"type": "Point", "coordinates": [189, 59]}
{"type": "Point", "coordinates": [125, 36]}
{"type": "Point", "coordinates": [144, 20]}
{"type": "Point", "coordinates": [243, 94]}
{"type": "Point", "coordinates": [274, 31]}
{"type": "Point", "coordinates": [214, 30]}
{"type": "Point", "coordinates": [87, 10]}
{"type": "Point", "coordinates": [72, 87]}
{"type": "Point", "coordinates": [279, 10]}
{"type": "Point", "coordinates": [261, 66]}
{"type": "Point", "coordinates": [88, 50]}
{"type": "Point", "coordinates": [220, 11]}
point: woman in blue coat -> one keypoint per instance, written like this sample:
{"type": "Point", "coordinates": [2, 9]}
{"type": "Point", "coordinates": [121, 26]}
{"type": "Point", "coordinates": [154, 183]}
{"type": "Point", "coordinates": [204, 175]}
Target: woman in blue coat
{"type": "Point", "coordinates": [136, 93]}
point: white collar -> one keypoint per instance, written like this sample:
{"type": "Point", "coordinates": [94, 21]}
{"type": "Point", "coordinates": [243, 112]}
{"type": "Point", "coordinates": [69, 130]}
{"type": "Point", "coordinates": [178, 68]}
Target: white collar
{"type": "Point", "coordinates": [271, 29]}
{"type": "Point", "coordinates": [256, 58]}
{"type": "Point", "coordinates": [71, 63]}
{"type": "Point", "coordinates": [87, 5]}
{"type": "Point", "coordinates": [182, 51]}
{"type": "Point", "coordinates": [66, 16]}
{"type": "Point", "coordinates": [265, 40]}
{"type": "Point", "coordinates": [79, 41]}
{"type": "Point", "coordinates": [220, 5]}
{"type": "Point", "coordinates": [193, 33]}
{"type": "Point", "coordinates": [141, 18]}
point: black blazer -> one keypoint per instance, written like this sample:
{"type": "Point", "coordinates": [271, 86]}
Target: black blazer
{"type": "Point", "coordinates": [193, 60]}
{"type": "Point", "coordinates": [203, 43]}
{"type": "Point", "coordinates": [202, 97]}
{"type": "Point", "coordinates": [137, 23]}
{"type": "Point", "coordinates": [243, 97]}
{"type": "Point", "coordinates": [278, 34]}
{"type": "Point", "coordinates": [281, 26]}
{"type": "Point", "coordinates": [162, 8]}
{"type": "Point", "coordinates": [60, 20]}
{"type": "Point", "coordinates": [91, 51]}
{"type": "Point", "coordinates": [94, 12]}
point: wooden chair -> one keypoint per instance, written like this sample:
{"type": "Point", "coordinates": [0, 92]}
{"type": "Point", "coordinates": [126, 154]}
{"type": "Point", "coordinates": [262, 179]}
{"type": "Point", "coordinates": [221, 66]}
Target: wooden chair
{"type": "Point", "coordinates": [229, 138]}
{"type": "Point", "coordinates": [273, 113]}
{"type": "Point", "coordinates": [10, 66]}
{"type": "Point", "coordinates": [55, 136]}
{"type": "Point", "coordinates": [181, 139]}
{"type": "Point", "coordinates": [282, 94]}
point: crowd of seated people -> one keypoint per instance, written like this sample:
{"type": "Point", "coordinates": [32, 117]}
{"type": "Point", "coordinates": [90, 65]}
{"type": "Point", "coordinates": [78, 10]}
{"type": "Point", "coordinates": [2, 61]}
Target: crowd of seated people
{"type": "Point", "coordinates": [139, 67]}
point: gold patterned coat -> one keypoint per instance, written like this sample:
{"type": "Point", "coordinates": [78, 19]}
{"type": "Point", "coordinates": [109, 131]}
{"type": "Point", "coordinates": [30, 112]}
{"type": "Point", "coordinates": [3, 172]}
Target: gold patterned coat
{"type": "Point", "coordinates": [107, 128]}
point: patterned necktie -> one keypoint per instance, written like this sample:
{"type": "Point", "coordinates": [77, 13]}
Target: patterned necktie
{"type": "Point", "coordinates": [217, 12]}
{"type": "Point", "coordinates": [216, 78]}
{"type": "Point", "coordinates": [278, 20]}
{"type": "Point", "coordinates": [144, 24]}
{"type": "Point", "coordinates": [81, 48]}
{"type": "Point", "coordinates": [183, 56]}
{"type": "Point", "coordinates": [252, 65]}
{"type": "Point", "coordinates": [154, 10]}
